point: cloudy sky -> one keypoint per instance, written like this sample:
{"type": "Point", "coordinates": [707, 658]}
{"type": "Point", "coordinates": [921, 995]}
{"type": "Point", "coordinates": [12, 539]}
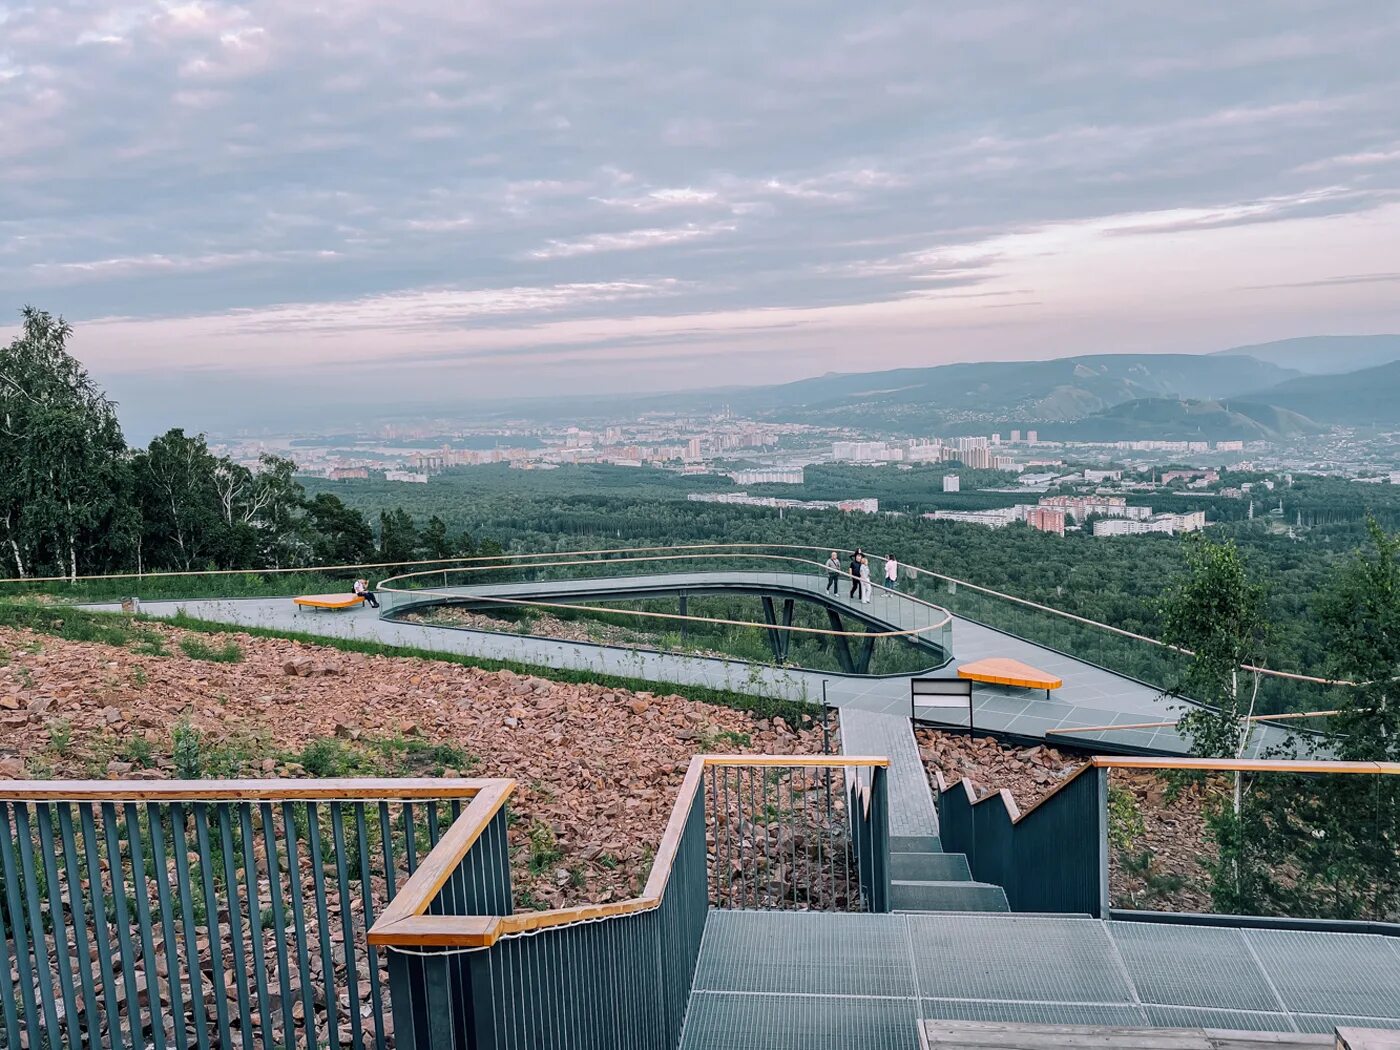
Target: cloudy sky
{"type": "Point", "coordinates": [473, 199]}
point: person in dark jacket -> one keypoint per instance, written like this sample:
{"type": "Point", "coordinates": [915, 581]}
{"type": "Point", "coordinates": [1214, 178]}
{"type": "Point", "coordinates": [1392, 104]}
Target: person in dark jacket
{"type": "Point", "coordinates": [856, 559]}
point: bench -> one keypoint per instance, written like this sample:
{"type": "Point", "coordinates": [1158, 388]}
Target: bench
{"type": "Point", "coordinates": [328, 601]}
{"type": "Point", "coordinates": [1001, 670]}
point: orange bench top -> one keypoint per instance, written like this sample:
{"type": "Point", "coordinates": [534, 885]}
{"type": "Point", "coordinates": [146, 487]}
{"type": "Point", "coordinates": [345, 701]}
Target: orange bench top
{"type": "Point", "coordinates": [1001, 670]}
{"type": "Point", "coordinates": [329, 601]}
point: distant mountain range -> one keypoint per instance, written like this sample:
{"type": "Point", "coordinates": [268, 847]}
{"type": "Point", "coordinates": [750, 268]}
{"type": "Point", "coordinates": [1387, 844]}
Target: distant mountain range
{"type": "Point", "coordinates": [1324, 354]}
{"type": "Point", "coordinates": [1366, 397]}
{"type": "Point", "coordinates": [1067, 388]}
{"type": "Point", "coordinates": [1275, 391]}
{"type": "Point", "coordinates": [1171, 419]}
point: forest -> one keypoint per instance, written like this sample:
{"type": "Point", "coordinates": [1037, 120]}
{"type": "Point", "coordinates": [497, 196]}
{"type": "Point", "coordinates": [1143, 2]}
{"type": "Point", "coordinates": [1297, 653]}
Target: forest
{"type": "Point", "coordinates": [75, 500]}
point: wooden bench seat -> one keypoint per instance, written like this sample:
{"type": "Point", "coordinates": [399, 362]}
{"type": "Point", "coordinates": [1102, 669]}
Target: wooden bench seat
{"type": "Point", "coordinates": [1001, 670]}
{"type": "Point", "coordinates": [329, 601]}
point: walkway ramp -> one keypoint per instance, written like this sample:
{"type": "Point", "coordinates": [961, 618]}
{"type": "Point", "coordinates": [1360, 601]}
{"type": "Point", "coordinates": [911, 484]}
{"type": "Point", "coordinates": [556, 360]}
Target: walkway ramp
{"type": "Point", "coordinates": [788, 980]}
{"type": "Point", "coordinates": [922, 876]}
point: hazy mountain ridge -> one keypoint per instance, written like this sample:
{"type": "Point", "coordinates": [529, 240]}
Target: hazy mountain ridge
{"type": "Point", "coordinates": [1028, 391]}
{"type": "Point", "coordinates": [1172, 419]}
{"type": "Point", "coordinates": [1323, 354]}
{"type": "Point", "coordinates": [1366, 397]}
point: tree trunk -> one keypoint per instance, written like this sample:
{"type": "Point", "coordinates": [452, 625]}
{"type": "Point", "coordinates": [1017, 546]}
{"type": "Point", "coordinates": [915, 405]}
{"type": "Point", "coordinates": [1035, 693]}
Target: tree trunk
{"type": "Point", "coordinates": [19, 558]}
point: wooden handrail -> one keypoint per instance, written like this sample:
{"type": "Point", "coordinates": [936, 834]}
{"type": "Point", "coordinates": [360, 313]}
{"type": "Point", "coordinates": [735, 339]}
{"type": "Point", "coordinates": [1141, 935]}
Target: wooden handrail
{"type": "Point", "coordinates": [283, 790]}
{"type": "Point", "coordinates": [405, 922]}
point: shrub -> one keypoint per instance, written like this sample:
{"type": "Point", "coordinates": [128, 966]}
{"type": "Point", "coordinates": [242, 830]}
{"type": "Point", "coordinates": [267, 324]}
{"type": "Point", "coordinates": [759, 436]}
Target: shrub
{"type": "Point", "coordinates": [199, 649]}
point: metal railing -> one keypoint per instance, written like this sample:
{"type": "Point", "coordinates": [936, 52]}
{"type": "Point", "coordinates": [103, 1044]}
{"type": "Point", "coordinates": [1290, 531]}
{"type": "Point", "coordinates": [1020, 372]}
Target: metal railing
{"type": "Point", "coordinates": [468, 972]}
{"type": "Point", "coordinates": [1306, 840]}
{"type": "Point", "coordinates": [569, 586]}
{"type": "Point", "coordinates": [205, 913]}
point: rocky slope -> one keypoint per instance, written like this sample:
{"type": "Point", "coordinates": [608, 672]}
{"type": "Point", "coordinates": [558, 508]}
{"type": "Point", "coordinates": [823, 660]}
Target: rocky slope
{"type": "Point", "coordinates": [597, 768]}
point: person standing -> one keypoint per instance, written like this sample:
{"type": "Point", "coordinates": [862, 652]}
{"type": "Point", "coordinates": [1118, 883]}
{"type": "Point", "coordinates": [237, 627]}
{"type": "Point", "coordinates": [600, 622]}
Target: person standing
{"type": "Point", "coordinates": [865, 579]}
{"type": "Point", "coordinates": [891, 573]}
{"type": "Point", "coordinates": [856, 557]}
{"type": "Point", "coordinates": [833, 574]}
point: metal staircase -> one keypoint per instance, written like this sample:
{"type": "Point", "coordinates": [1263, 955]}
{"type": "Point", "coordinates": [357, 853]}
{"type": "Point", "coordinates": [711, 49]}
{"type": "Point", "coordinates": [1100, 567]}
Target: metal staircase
{"type": "Point", "coordinates": [924, 878]}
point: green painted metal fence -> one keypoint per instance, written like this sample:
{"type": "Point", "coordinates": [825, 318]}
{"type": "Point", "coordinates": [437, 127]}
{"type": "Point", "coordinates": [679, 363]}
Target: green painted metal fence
{"type": "Point", "coordinates": [1052, 859]}
{"type": "Point", "coordinates": [190, 915]}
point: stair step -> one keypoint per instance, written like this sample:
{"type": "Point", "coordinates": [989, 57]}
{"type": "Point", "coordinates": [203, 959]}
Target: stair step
{"type": "Point", "coordinates": [930, 867]}
{"type": "Point", "coordinates": [912, 895]}
{"type": "Point", "coordinates": [915, 844]}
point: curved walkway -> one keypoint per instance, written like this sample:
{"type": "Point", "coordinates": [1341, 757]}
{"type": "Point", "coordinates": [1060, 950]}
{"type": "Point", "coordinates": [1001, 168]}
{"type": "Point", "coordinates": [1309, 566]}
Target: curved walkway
{"type": "Point", "coordinates": [1091, 696]}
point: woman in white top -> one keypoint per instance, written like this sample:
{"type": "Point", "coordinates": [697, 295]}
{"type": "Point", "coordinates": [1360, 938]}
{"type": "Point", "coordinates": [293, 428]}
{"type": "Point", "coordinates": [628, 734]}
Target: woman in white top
{"type": "Point", "coordinates": [865, 580]}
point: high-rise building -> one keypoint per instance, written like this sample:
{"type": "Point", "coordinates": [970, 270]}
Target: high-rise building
{"type": "Point", "coordinates": [1046, 519]}
{"type": "Point", "coordinates": [1015, 437]}
{"type": "Point", "coordinates": [1032, 437]}
{"type": "Point", "coordinates": [952, 483]}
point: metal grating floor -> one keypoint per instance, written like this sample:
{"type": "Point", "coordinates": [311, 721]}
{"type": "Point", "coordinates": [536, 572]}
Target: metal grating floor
{"type": "Point", "coordinates": [784, 981]}
{"type": "Point", "coordinates": [729, 1021]}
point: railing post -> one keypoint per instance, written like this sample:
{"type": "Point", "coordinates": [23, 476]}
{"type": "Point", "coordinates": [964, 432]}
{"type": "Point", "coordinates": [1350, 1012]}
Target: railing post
{"type": "Point", "coordinates": [1105, 901]}
{"type": "Point", "coordinates": [879, 840]}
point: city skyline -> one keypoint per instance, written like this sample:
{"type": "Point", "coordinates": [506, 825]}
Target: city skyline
{"type": "Point", "coordinates": [547, 199]}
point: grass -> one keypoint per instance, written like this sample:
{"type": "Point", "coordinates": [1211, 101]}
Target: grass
{"type": "Point", "coordinates": [198, 649]}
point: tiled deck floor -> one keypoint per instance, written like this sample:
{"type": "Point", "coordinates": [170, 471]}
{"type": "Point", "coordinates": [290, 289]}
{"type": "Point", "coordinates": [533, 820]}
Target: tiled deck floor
{"type": "Point", "coordinates": [783, 981]}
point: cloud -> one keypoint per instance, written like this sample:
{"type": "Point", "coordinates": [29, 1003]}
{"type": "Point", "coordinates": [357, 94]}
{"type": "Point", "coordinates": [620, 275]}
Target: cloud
{"type": "Point", "coordinates": [254, 182]}
{"type": "Point", "coordinates": [630, 240]}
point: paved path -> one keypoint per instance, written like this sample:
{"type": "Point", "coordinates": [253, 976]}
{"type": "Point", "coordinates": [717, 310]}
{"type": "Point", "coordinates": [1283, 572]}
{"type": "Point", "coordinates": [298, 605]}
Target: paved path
{"type": "Point", "coordinates": [911, 800]}
{"type": "Point", "coordinates": [1091, 696]}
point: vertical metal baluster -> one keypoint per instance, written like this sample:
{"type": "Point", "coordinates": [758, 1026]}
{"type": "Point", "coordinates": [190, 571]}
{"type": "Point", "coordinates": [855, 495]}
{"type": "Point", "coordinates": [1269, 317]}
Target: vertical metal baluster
{"type": "Point", "coordinates": [155, 819]}
{"type": "Point", "coordinates": [767, 836]}
{"type": "Point", "coordinates": [752, 864]}
{"type": "Point", "coordinates": [12, 895]}
{"type": "Point", "coordinates": [125, 952]}
{"type": "Point", "coordinates": [308, 1004]}
{"type": "Point", "coordinates": [410, 847]}
{"type": "Point", "coordinates": [712, 774]}
{"type": "Point", "coordinates": [347, 925]}
{"type": "Point", "coordinates": [255, 927]}
{"type": "Point", "coordinates": [101, 930]}
{"type": "Point", "coordinates": [141, 891]}
{"type": "Point", "coordinates": [77, 904]}
{"type": "Point", "coordinates": [433, 833]}
{"type": "Point", "coordinates": [211, 920]}
{"type": "Point", "coordinates": [367, 892]}
{"type": "Point", "coordinates": [792, 814]}
{"type": "Point", "coordinates": [63, 965]}
{"type": "Point", "coordinates": [318, 882]}
{"type": "Point", "coordinates": [386, 841]}
{"type": "Point", "coordinates": [39, 943]}
{"type": "Point", "coordinates": [179, 847]}
{"type": "Point", "coordinates": [279, 921]}
{"type": "Point", "coordinates": [728, 842]}
{"type": "Point", "coordinates": [8, 1013]}
{"type": "Point", "coordinates": [235, 925]}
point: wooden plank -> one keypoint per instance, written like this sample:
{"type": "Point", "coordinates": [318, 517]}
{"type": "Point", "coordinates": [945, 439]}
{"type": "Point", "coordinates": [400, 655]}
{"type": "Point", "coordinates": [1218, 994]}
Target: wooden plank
{"type": "Point", "coordinates": [436, 931]}
{"type": "Point", "coordinates": [675, 828]}
{"type": "Point", "coordinates": [1367, 1039]}
{"type": "Point", "coordinates": [437, 867]}
{"type": "Point", "coordinates": [805, 761]}
{"type": "Point", "coordinates": [272, 790]}
{"type": "Point", "coordinates": [1002, 670]}
{"type": "Point", "coordinates": [329, 601]}
{"type": "Point", "coordinates": [996, 1035]}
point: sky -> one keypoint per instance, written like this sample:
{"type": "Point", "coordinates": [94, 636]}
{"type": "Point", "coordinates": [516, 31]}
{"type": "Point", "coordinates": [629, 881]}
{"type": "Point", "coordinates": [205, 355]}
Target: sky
{"type": "Point", "coordinates": [351, 203]}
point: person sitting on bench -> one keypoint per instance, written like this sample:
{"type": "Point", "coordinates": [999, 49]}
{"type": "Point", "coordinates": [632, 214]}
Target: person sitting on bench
{"type": "Point", "coordinates": [362, 589]}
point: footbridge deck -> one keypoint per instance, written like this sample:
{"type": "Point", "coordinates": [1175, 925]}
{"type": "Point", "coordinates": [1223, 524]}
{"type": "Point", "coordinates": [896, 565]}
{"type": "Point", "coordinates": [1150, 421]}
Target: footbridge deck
{"type": "Point", "coordinates": [1091, 696]}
